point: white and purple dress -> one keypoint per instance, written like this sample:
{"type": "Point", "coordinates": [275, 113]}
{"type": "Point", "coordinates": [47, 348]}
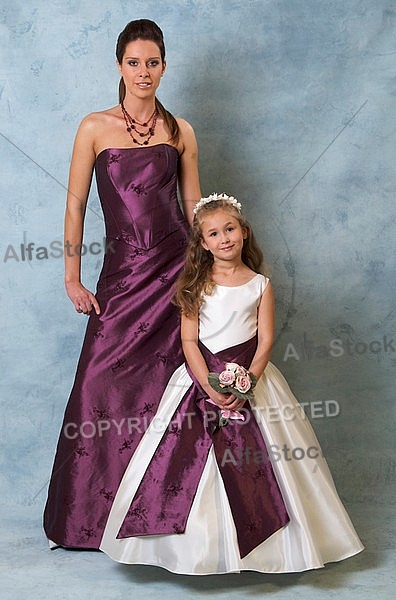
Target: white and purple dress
{"type": "Point", "coordinates": [254, 495]}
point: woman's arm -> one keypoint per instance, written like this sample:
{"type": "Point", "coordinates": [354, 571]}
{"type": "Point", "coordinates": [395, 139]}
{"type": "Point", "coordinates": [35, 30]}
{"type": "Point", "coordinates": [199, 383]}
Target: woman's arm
{"type": "Point", "coordinates": [196, 362]}
{"type": "Point", "coordinates": [188, 176]}
{"type": "Point", "coordinates": [265, 332]}
{"type": "Point", "coordinates": [81, 168]}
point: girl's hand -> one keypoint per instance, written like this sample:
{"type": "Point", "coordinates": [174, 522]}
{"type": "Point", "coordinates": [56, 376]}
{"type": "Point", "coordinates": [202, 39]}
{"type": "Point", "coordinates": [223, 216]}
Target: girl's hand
{"type": "Point", "coordinates": [218, 398]}
{"type": "Point", "coordinates": [226, 401]}
{"type": "Point", "coordinates": [232, 402]}
{"type": "Point", "coordinates": [83, 300]}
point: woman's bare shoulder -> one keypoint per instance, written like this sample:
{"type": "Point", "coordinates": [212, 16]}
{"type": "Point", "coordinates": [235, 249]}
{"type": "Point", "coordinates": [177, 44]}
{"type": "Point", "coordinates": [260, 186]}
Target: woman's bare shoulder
{"type": "Point", "coordinates": [184, 126]}
{"type": "Point", "coordinates": [187, 139]}
{"type": "Point", "coordinates": [99, 118]}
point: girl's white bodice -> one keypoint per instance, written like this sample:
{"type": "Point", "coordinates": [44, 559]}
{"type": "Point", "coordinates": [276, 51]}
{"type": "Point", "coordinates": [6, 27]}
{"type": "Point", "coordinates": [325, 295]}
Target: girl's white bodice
{"type": "Point", "coordinates": [229, 316]}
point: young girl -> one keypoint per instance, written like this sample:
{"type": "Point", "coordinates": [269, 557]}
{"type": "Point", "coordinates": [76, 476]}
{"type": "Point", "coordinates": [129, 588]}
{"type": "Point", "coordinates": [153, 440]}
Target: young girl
{"type": "Point", "coordinates": [219, 483]}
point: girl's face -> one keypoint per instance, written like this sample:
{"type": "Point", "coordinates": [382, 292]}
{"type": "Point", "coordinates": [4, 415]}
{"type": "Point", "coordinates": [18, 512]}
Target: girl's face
{"type": "Point", "coordinates": [223, 235]}
{"type": "Point", "coordinates": [141, 68]}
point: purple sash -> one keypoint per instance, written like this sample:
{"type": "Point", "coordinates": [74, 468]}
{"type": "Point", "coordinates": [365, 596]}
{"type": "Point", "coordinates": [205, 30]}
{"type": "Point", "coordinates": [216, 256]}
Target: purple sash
{"type": "Point", "coordinates": [163, 500]}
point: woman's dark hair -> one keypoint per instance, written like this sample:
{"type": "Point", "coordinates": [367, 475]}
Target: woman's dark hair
{"type": "Point", "coordinates": [144, 29]}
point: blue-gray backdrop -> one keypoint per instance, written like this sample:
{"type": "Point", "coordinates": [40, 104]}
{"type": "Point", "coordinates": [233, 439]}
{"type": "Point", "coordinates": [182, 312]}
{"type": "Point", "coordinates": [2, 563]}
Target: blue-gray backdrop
{"type": "Point", "coordinates": [293, 104]}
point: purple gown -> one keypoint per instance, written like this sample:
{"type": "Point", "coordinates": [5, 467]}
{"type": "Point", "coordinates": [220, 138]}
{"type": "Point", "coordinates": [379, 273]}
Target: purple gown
{"type": "Point", "coordinates": [130, 350]}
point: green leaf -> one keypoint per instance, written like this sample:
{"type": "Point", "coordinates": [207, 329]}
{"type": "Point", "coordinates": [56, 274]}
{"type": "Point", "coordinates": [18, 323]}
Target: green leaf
{"type": "Point", "coordinates": [253, 379]}
{"type": "Point", "coordinates": [243, 396]}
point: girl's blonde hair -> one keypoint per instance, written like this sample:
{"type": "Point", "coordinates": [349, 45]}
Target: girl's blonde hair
{"type": "Point", "coordinates": [195, 279]}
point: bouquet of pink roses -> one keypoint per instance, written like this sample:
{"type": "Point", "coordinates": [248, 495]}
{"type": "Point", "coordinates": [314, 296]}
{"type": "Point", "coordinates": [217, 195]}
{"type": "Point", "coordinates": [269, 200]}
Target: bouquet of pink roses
{"type": "Point", "coordinates": [233, 380]}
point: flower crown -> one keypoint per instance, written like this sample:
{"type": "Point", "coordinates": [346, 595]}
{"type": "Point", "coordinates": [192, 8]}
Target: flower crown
{"type": "Point", "coordinates": [213, 197]}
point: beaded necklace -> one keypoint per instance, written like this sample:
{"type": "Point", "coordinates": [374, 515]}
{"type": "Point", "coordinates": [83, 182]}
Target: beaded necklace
{"type": "Point", "coordinates": [131, 123]}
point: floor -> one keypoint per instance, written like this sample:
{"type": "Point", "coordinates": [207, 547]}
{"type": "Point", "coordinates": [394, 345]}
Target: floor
{"type": "Point", "coordinates": [28, 569]}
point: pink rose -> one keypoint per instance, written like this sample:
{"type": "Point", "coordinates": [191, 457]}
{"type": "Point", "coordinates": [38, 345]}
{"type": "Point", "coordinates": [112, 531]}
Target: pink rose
{"type": "Point", "coordinates": [226, 378]}
{"type": "Point", "coordinates": [241, 371]}
{"type": "Point", "coordinates": [235, 368]}
{"type": "Point", "coordinates": [243, 383]}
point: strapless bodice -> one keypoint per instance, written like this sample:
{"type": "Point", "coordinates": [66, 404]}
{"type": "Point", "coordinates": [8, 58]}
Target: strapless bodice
{"type": "Point", "coordinates": [138, 192]}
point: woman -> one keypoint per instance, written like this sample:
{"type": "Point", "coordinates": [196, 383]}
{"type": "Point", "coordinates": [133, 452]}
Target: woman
{"type": "Point", "coordinates": [140, 153]}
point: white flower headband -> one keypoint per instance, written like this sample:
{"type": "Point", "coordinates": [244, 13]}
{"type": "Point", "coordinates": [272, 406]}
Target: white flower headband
{"type": "Point", "coordinates": [213, 197]}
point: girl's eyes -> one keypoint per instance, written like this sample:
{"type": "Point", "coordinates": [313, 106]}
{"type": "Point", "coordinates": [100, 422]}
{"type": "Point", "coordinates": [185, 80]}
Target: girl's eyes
{"type": "Point", "coordinates": [229, 229]}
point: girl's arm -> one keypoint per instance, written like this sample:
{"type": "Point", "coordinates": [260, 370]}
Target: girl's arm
{"type": "Point", "coordinates": [81, 168]}
{"type": "Point", "coordinates": [265, 332]}
{"type": "Point", "coordinates": [196, 362]}
{"type": "Point", "coordinates": [265, 335]}
{"type": "Point", "coordinates": [188, 177]}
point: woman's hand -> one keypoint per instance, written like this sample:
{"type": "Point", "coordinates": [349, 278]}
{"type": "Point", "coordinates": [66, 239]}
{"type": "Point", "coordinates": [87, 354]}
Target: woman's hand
{"type": "Point", "coordinates": [83, 300]}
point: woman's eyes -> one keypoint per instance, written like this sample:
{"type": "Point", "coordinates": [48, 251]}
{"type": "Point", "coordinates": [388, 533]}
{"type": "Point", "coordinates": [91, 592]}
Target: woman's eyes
{"type": "Point", "coordinates": [150, 64]}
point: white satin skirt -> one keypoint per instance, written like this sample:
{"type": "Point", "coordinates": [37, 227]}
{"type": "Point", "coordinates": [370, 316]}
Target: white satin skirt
{"type": "Point", "coordinates": [319, 530]}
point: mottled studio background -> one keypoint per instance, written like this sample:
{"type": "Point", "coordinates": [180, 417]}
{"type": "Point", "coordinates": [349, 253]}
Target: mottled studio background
{"type": "Point", "coordinates": [268, 86]}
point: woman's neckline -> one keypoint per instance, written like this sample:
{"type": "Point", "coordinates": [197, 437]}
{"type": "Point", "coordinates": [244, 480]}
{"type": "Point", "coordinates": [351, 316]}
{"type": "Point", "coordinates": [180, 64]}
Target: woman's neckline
{"type": "Point", "coordinates": [241, 285]}
{"type": "Point", "coordinates": [132, 148]}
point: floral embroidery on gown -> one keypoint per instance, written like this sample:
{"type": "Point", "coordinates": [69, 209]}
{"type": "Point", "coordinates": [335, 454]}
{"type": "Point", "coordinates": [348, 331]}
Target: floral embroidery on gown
{"type": "Point", "coordinates": [115, 394]}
